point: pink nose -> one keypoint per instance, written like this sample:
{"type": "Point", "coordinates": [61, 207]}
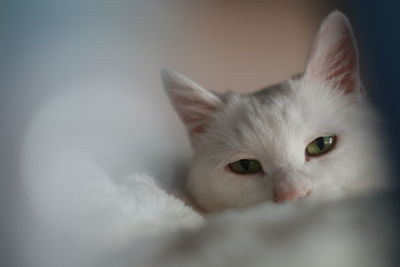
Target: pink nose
{"type": "Point", "coordinates": [286, 196]}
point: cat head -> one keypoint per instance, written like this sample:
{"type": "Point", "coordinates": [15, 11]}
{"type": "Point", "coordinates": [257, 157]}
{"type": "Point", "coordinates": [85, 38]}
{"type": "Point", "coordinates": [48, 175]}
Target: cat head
{"type": "Point", "coordinates": [309, 136]}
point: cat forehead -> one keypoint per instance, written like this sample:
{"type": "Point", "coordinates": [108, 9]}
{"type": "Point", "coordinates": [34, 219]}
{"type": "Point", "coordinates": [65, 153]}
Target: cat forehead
{"type": "Point", "coordinates": [291, 100]}
{"type": "Point", "coordinates": [292, 110]}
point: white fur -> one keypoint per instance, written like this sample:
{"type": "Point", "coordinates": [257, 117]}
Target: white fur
{"type": "Point", "coordinates": [351, 232]}
{"type": "Point", "coordinates": [88, 193]}
{"type": "Point", "coordinates": [276, 124]}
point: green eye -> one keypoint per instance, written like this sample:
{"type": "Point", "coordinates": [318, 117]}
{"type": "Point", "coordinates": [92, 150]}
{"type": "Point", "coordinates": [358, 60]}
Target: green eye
{"type": "Point", "coordinates": [320, 146]}
{"type": "Point", "coordinates": [245, 166]}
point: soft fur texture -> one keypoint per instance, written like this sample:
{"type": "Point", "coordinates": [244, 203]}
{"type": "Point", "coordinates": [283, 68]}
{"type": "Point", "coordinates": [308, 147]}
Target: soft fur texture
{"type": "Point", "coordinates": [274, 126]}
{"type": "Point", "coordinates": [88, 181]}
{"type": "Point", "coordinates": [359, 231]}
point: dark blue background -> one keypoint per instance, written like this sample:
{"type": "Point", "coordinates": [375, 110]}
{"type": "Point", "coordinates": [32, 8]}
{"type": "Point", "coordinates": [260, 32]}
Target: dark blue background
{"type": "Point", "coordinates": [377, 28]}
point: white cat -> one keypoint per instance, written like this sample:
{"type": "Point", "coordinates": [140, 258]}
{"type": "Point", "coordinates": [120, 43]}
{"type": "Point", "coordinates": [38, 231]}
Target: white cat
{"type": "Point", "coordinates": [310, 136]}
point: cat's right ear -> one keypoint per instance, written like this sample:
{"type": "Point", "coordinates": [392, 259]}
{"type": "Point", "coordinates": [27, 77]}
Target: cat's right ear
{"type": "Point", "coordinates": [194, 104]}
{"type": "Point", "coordinates": [333, 56]}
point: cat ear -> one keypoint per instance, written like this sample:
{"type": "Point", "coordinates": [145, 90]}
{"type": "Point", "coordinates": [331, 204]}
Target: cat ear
{"type": "Point", "coordinates": [193, 103]}
{"type": "Point", "coordinates": [333, 56]}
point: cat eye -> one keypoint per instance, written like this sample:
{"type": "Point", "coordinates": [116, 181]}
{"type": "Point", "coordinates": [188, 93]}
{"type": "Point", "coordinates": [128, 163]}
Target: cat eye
{"type": "Point", "coordinates": [245, 166]}
{"type": "Point", "coordinates": [321, 145]}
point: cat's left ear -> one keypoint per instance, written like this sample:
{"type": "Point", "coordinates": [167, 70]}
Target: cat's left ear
{"type": "Point", "coordinates": [333, 56]}
{"type": "Point", "coordinates": [194, 104]}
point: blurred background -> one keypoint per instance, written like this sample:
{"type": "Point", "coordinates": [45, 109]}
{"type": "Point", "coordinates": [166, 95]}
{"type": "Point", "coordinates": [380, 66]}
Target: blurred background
{"type": "Point", "coordinates": [107, 51]}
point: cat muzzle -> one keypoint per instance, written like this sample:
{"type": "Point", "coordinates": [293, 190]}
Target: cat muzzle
{"type": "Point", "coordinates": [286, 188]}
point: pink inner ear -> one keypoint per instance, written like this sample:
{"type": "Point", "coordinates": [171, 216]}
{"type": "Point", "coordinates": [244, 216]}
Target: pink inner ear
{"type": "Point", "coordinates": [194, 113]}
{"type": "Point", "coordinates": [345, 65]}
{"type": "Point", "coordinates": [333, 55]}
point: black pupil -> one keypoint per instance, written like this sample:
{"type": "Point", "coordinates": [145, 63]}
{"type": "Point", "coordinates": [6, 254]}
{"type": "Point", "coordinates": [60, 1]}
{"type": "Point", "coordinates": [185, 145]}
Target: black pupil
{"type": "Point", "coordinates": [320, 143]}
{"type": "Point", "coordinates": [245, 164]}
